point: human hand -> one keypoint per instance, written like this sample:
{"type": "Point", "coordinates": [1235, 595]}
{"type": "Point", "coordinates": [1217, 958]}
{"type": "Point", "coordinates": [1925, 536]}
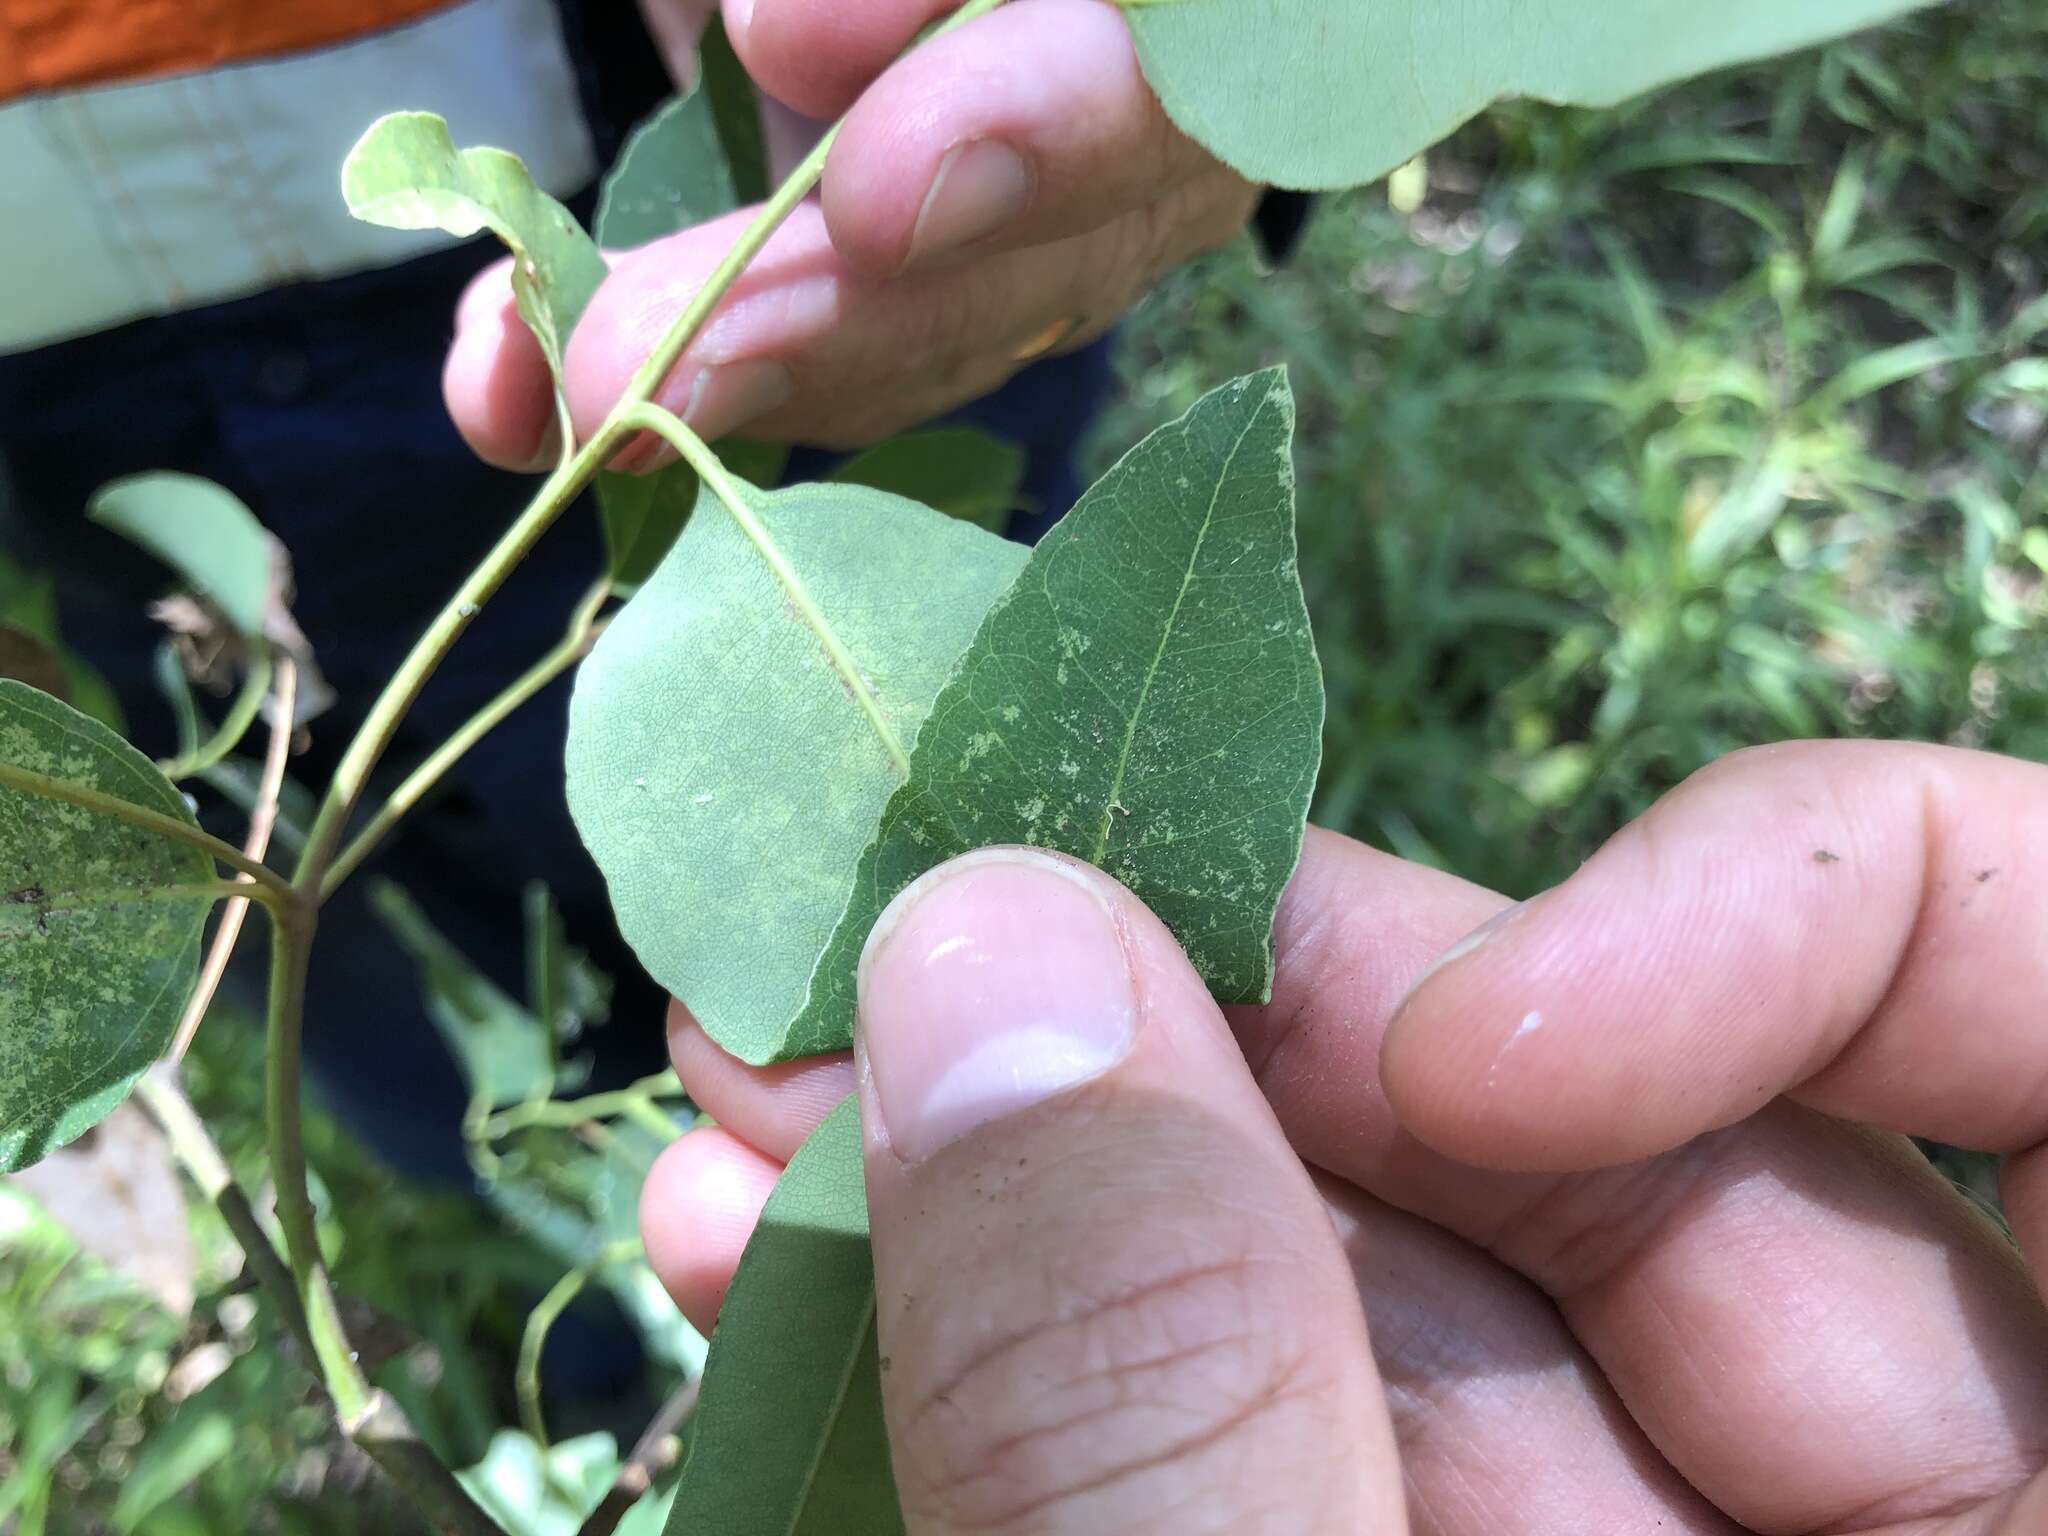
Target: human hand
{"type": "Point", "coordinates": [1002, 193]}
{"type": "Point", "coordinates": [1622, 1189]}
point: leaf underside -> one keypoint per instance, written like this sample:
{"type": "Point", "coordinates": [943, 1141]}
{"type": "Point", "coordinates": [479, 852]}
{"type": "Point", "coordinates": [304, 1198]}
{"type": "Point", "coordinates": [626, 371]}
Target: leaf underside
{"type": "Point", "coordinates": [788, 1434]}
{"type": "Point", "coordinates": [1145, 697]}
{"type": "Point", "coordinates": [725, 772]}
{"type": "Point", "coordinates": [1335, 93]}
{"type": "Point", "coordinates": [96, 959]}
{"type": "Point", "coordinates": [963, 472]}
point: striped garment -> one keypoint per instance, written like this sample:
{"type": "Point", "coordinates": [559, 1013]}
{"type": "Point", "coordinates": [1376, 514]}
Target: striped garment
{"type": "Point", "coordinates": [161, 155]}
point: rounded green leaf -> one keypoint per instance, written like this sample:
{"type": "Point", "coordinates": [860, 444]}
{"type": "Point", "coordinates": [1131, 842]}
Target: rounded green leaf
{"type": "Point", "coordinates": [737, 731]}
{"type": "Point", "coordinates": [100, 925]}
{"type": "Point", "coordinates": [200, 530]}
{"type": "Point", "coordinates": [1336, 93]}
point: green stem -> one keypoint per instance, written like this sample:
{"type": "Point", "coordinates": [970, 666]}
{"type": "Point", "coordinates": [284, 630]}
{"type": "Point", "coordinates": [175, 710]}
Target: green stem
{"type": "Point", "coordinates": [290, 948]}
{"type": "Point", "coordinates": [196, 1153]}
{"type": "Point", "coordinates": [241, 715]}
{"type": "Point", "coordinates": [269, 887]}
{"type": "Point", "coordinates": [595, 1106]}
{"type": "Point", "coordinates": [573, 647]}
{"type": "Point", "coordinates": [526, 1375]}
{"type": "Point", "coordinates": [697, 453]}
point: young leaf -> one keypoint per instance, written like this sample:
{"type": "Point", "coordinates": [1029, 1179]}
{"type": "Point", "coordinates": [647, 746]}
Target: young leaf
{"type": "Point", "coordinates": [1335, 93]}
{"type": "Point", "coordinates": [202, 531]}
{"type": "Point", "coordinates": [960, 471]}
{"type": "Point", "coordinates": [406, 173]}
{"type": "Point", "coordinates": [1145, 696]}
{"type": "Point", "coordinates": [788, 1433]}
{"type": "Point", "coordinates": [737, 731]}
{"type": "Point", "coordinates": [99, 930]}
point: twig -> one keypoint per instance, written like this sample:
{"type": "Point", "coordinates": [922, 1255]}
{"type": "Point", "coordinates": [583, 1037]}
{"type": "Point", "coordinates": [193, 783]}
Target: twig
{"type": "Point", "coordinates": [526, 1374]}
{"type": "Point", "coordinates": [653, 1454]}
{"type": "Point", "coordinates": [595, 1106]}
{"type": "Point", "coordinates": [584, 628]}
{"type": "Point", "coordinates": [262, 818]}
{"type": "Point", "coordinates": [161, 1095]}
{"type": "Point", "coordinates": [241, 715]}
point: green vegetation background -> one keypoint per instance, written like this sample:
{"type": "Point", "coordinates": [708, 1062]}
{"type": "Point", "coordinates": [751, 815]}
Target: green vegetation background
{"type": "Point", "coordinates": [1627, 439]}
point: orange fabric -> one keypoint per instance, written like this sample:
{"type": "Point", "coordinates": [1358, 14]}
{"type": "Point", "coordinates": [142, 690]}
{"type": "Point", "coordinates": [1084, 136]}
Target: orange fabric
{"type": "Point", "coordinates": [49, 44]}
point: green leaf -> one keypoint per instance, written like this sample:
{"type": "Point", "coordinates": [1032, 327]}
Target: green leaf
{"type": "Point", "coordinates": [1335, 93]}
{"type": "Point", "coordinates": [1146, 697]}
{"type": "Point", "coordinates": [671, 174]}
{"type": "Point", "coordinates": [788, 1433]}
{"type": "Point", "coordinates": [960, 471]}
{"type": "Point", "coordinates": [536, 1491]}
{"type": "Point", "coordinates": [736, 107]}
{"type": "Point", "coordinates": [642, 515]}
{"type": "Point", "coordinates": [97, 951]}
{"type": "Point", "coordinates": [505, 1053]}
{"type": "Point", "coordinates": [406, 173]}
{"type": "Point", "coordinates": [735, 734]}
{"type": "Point", "coordinates": [202, 531]}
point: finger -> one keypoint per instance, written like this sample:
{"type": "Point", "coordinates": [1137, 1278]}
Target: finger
{"type": "Point", "coordinates": [1503, 1422]}
{"type": "Point", "coordinates": [771, 1108]}
{"type": "Point", "coordinates": [698, 1207]}
{"type": "Point", "coordinates": [1811, 1325]}
{"type": "Point", "coordinates": [675, 26]}
{"type": "Point", "coordinates": [495, 381]}
{"type": "Point", "coordinates": [1107, 1291]}
{"type": "Point", "coordinates": [1856, 922]}
{"type": "Point", "coordinates": [818, 55]}
{"type": "Point", "coordinates": [804, 348]}
{"type": "Point", "coordinates": [1033, 124]}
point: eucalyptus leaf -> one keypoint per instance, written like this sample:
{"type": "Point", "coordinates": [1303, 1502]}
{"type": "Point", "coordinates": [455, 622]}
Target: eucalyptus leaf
{"type": "Point", "coordinates": [670, 175]}
{"type": "Point", "coordinates": [736, 732]}
{"type": "Point", "coordinates": [1145, 696]}
{"type": "Point", "coordinates": [1335, 93]}
{"type": "Point", "coordinates": [202, 531]}
{"type": "Point", "coordinates": [99, 929]}
{"type": "Point", "coordinates": [406, 173]}
{"type": "Point", "coordinates": [736, 108]}
{"type": "Point", "coordinates": [788, 1433]}
{"type": "Point", "coordinates": [963, 472]}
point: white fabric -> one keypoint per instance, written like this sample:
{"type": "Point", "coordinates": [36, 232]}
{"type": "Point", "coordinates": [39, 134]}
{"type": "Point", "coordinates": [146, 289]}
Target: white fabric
{"type": "Point", "coordinates": [159, 195]}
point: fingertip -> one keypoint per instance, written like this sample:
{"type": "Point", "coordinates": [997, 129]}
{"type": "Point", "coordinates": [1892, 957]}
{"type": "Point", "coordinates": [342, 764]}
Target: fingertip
{"type": "Point", "coordinates": [496, 386]}
{"type": "Point", "coordinates": [816, 55]}
{"type": "Point", "coordinates": [698, 1207]}
{"type": "Point", "coordinates": [774, 1108]}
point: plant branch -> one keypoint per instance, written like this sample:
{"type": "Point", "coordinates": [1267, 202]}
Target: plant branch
{"type": "Point", "coordinates": [567, 1112]}
{"type": "Point", "coordinates": [161, 1095]}
{"type": "Point", "coordinates": [584, 628]}
{"type": "Point", "coordinates": [526, 1375]}
{"type": "Point", "coordinates": [262, 818]}
{"type": "Point", "coordinates": [653, 1454]}
{"type": "Point", "coordinates": [241, 715]}
{"type": "Point", "coordinates": [269, 886]}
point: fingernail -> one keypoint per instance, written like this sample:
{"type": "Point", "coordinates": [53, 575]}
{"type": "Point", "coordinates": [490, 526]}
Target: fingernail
{"type": "Point", "coordinates": [726, 396]}
{"type": "Point", "coordinates": [989, 985]}
{"type": "Point", "coordinates": [1479, 936]}
{"type": "Point", "coordinates": [980, 187]}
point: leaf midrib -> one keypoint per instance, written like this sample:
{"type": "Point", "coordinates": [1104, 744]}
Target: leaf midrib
{"type": "Point", "coordinates": [1123, 760]}
{"type": "Point", "coordinates": [810, 1478]}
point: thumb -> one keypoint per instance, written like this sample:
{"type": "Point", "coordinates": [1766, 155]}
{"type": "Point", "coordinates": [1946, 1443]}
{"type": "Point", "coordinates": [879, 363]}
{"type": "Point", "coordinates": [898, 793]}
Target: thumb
{"type": "Point", "coordinates": [1107, 1292]}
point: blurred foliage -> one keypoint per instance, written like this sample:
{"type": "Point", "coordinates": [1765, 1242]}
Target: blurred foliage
{"type": "Point", "coordinates": [1631, 438]}
{"type": "Point", "coordinates": [1628, 438]}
